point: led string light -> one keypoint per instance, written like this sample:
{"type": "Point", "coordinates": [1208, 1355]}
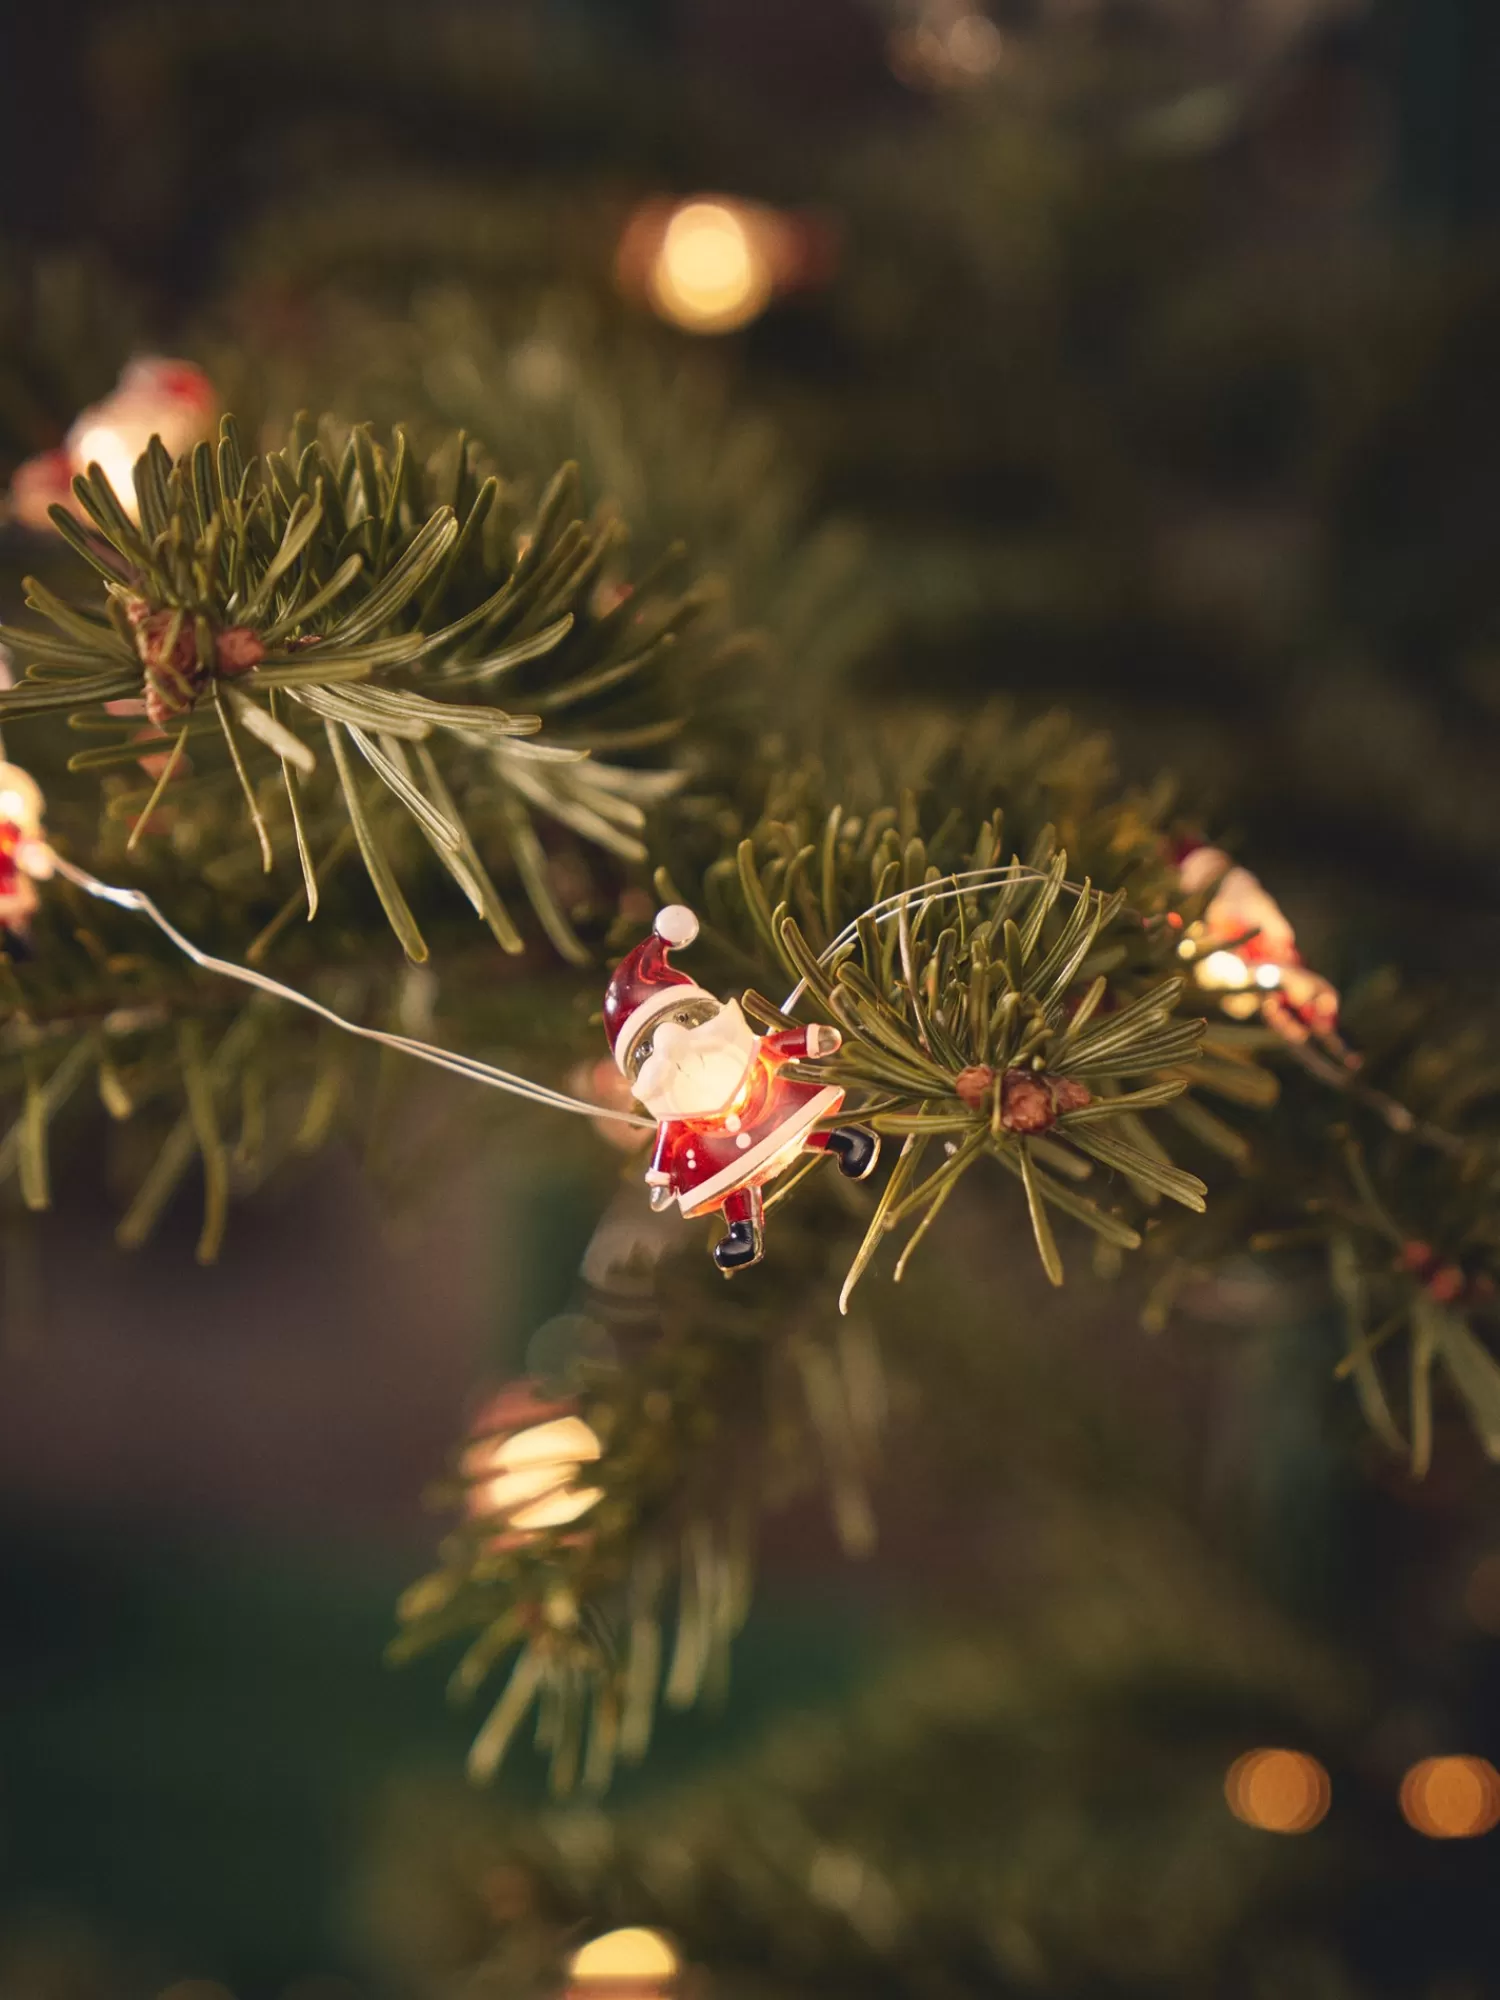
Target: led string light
{"type": "Point", "coordinates": [470, 1067]}
{"type": "Point", "coordinates": [946, 889]}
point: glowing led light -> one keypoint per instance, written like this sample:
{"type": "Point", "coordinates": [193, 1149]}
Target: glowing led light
{"type": "Point", "coordinates": [1451, 1798]}
{"type": "Point", "coordinates": [1278, 1791]}
{"type": "Point", "coordinates": [711, 273]}
{"type": "Point", "coordinates": [1223, 971]}
{"type": "Point", "coordinates": [1268, 976]}
{"type": "Point", "coordinates": [638, 1963]}
{"type": "Point", "coordinates": [529, 1478]}
{"type": "Point", "coordinates": [115, 453]}
{"type": "Point", "coordinates": [20, 799]}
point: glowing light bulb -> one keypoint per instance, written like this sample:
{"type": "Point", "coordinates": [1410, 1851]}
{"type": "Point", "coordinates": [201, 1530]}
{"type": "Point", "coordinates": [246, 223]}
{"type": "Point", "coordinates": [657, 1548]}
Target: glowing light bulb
{"type": "Point", "coordinates": [529, 1479]}
{"type": "Point", "coordinates": [20, 799]}
{"type": "Point", "coordinates": [154, 397]}
{"type": "Point", "coordinates": [1451, 1798]}
{"type": "Point", "coordinates": [1223, 972]}
{"type": "Point", "coordinates": [711, 273]}
{"type": "Point", "coordinates": [637, 1963]}
{"type": "Point", "coordinates": [1278, 1791]}
{"type": "Point", "coordinates": [115, 452]}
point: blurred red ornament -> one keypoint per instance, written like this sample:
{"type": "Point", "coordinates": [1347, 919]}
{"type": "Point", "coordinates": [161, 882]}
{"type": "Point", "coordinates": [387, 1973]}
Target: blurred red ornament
{"type": "Point", "coordinates": [25, 857]}
{"type": "Point", "coordinates": [39, 483]}
{"type": "Point", "coordinates": [1244, 950]}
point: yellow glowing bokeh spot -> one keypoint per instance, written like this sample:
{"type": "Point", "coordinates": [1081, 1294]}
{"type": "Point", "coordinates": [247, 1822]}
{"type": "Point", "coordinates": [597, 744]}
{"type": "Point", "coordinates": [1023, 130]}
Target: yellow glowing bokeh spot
{"type": "Point", "coordinates": [532, 1475]}
{"type": "Point", "coordinates": [1279, 1791]}
{"type": "Point", "coordinates": [1451, 1798]}
{"type": "Point", "coordinates": [1222, 972]}
{"type": "Point", "coordinates": [634, 1959]}
{"type": "Point", "coordinates": [115, 452]}
{"type": "Point", "coordinates": [711, 273]}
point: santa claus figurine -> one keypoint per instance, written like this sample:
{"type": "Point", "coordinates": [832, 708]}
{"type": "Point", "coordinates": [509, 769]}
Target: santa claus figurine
{"type": "Point", "coordinates": [25, 856]}
{"type": "Point", "coordinates": [1247, 951]}
{"type": "Point", "coordinates": [729, 1119]}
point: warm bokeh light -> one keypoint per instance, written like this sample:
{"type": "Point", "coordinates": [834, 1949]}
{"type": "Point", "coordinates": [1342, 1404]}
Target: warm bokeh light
{"type": "Point", "coordinates": [1222, 971]}
{"type": "Point", "coordinates": [1279, 1791]}
{"type": "Point", "coordinates": [629, 1964]}
{"type": "Point", "coordinates": [711, 273]}
{"type": "Point", "coordinates": [20, 800]}
{"type": "Point", "coordinates": [1451, 1798]}
{"type": "Point", "coordinates": [950, 45]}
{"type": "Point", "coordinates": [156, 396]}
{"type": "Point", "coordinates": [115, 452]}
{"type": "Point", "coordinates": [529, 1479]}
{"type": "Point", "coordinates": [712, 263]}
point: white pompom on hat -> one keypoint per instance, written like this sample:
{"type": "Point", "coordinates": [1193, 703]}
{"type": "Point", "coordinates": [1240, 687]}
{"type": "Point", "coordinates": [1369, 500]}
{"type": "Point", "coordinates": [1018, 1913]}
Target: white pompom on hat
{"type": "Point", "coordinates": [676, 924]}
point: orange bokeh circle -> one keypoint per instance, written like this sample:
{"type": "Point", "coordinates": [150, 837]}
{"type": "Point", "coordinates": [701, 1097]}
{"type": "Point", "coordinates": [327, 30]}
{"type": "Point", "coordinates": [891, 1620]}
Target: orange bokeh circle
{"type": "Point", "coordinates": [1278, 1791]}
{"type": "Point", "coordinates": [1451, 1798]}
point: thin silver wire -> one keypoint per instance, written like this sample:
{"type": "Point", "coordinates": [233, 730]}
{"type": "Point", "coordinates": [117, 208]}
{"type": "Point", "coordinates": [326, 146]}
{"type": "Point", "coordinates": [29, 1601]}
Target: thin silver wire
{"type": "Point", "coordinates": [460, 1065]}
{"type": "Point", "coordinates": [941, 891]}
{"type": "Point", "coordinates": [470, 1067]}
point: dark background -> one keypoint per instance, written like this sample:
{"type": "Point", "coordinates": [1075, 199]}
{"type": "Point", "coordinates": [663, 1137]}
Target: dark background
{"type": "Point", "coordinates": [210, 1482]}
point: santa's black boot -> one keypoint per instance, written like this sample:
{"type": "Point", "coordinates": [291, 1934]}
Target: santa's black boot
{"type": "Point", "coordinates": [856, 1149]}
{"type": "Point", "coordinates": [741, 1245]}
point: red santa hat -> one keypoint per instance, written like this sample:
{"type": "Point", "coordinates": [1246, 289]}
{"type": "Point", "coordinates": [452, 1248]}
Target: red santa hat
{"type": "Point", "coordinates": [643, 984]}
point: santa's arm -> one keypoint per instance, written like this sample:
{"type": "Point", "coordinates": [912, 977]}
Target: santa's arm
{"type": "Point", "coordinates": [804, 1044]}
{"type": "Point", "coordinates": [659, 1174]}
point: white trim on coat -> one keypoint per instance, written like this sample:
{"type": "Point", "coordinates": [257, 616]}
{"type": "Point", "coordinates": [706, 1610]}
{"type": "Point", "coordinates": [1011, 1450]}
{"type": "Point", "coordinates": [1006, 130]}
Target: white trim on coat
{"type": "Point", "coordinates": [791, 1132]}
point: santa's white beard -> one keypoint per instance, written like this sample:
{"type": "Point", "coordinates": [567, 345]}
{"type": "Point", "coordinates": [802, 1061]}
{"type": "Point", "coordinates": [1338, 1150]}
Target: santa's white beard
{"type": "Point", "coordinates": [694, 1072]}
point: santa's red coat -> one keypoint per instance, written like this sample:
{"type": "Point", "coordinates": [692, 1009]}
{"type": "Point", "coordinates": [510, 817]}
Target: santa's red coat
{"type": "Point", "coordinates": [17, 892]}
{"type": "Point", "coordinates": [702, 1161]}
